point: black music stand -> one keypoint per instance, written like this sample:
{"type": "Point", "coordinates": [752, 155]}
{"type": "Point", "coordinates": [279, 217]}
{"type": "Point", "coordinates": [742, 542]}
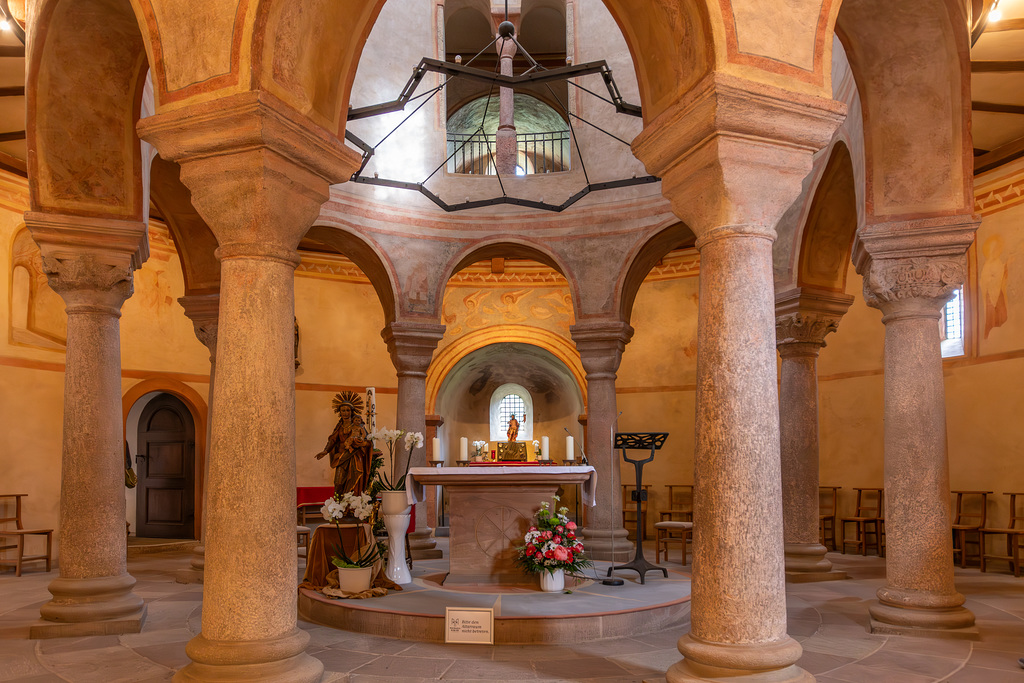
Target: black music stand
{"type": "Point", "coordinates": [652, 441]}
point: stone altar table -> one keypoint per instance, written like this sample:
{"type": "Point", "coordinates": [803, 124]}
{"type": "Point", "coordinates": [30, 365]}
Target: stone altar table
{"type": "Point", "coordinates": [490, 509]}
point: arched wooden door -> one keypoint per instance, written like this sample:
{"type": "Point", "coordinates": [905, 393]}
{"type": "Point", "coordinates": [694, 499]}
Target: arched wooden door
{"type": "Point", "coordinates": [165, 458]}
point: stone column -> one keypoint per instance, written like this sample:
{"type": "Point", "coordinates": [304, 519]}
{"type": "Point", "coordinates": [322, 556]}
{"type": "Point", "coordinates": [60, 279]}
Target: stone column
{"type": "Point", "coordinates": [202, 310]}
{"type": "Point", "coordinates": [803, 319]}
{"type": "Point", "coordinates": [910, 271]}
{"type": "Point", "coordinates": [89, 263]}
{"type": "Point", "coordinates": [411, 345]}
{"type": "Point", "coordinates": [258, 176]}
{"type": "Point", "coordinates": [601, 343]}
{"type": "Point", "coordinates": [506, 146]}
{"type": "Point", "coordinates": [733, 155]}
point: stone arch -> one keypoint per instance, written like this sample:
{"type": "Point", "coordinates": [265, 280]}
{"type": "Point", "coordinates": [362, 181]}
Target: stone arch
{"type": "Point", "coordinates": [448, 357]}
{"type": "Point", "coordinates": [196, 407]}
{"type": "Point", "coordinates": [37, 316]}
{"type": "Point", "coordinates": [827, 239]}
{"type": "Point", "coordinates": [508, 248]}
{"type": "Point", "coordinates": [193, 239]}
{"type": "Point", "coordinates": [369, 259]}
{"type": "Point", "coordinates": [93, 47]}
{"type": "Point", "coordinates": [911, 62]}
{"type": "Point", "coordinates": [646, 256]}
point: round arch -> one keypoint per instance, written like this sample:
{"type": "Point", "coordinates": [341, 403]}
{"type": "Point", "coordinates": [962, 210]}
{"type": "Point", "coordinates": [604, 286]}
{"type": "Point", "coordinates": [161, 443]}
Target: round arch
{"type": "Point", "coordinates": [828, 234]}
{"type": "Point", "coordinates": [645, 258]}
{"type": "Point", "coordinates": [448, 357]}
{"type": "Point", "coordinates": [196, 407]}
{"type": "Point", "coordinates": [377, 267]}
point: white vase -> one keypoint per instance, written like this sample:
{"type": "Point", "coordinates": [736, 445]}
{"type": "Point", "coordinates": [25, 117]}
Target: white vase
{"type": "Point", "coordinates": [552, 582]}
{"type": "Point", "coordinates": [394, 503]}
{"type": "Point", "coordinates": [354, 579]}
{"type": "Point", "coordinates": [397, 569]}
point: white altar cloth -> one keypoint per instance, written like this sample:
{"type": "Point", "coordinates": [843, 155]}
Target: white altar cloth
{"type": "Point", "coordinates": [416, 493]}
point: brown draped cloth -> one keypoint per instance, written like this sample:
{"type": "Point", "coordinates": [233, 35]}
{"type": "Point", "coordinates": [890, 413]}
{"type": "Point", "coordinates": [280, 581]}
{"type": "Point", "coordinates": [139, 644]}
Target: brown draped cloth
{"type": "Point", "coordinates": [323, 546]}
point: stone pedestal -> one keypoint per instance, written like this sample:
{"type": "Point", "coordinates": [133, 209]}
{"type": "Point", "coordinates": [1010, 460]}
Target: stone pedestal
{"type": "Point", "coordinates": [601, 343]}
{"type": "Point", "coordinates": [910, 271]}
{"type": "Point", "coordinates": [411, 345]}
{"type": "Point", "coordinates": [803, 319]}
{"type": "Point", "coordinates": [733, 155]}
{"type": "Point", "coordinates": [89, 263]}
{"type": "Point", "coordinates": [258, 176]}
{"type": "Point", "coordinates": [202, 310]}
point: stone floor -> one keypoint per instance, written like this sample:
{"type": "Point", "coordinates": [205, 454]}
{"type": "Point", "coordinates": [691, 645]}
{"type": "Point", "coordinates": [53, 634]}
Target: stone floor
{"type": "Point", "coordinates": [829, 619]}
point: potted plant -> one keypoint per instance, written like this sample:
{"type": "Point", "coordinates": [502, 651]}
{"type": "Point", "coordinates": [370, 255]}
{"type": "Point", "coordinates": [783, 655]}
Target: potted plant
{"type": "Point", "coordinates": [392, 488]}
{"type": "Point", "coordinates": [354, 573]}
{"type": "Point", "coordinates": [478, 451]}
{"type": "Point", "coordinates": [551, 548]}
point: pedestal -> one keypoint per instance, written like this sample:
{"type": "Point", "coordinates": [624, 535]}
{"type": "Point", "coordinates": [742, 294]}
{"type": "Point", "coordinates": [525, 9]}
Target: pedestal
{"type": "Point", "coordinates": [397, 569]}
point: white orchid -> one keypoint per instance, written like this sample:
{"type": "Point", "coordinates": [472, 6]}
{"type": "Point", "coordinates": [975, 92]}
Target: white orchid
{"type": "Point", "coordinates": [413, 440]}
{"type": "Point", "coordinates": [335, 508]}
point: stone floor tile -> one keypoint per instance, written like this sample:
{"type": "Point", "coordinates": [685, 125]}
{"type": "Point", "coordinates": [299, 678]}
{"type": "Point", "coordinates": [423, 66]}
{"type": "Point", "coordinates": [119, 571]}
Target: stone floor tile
{"type": "Point", "coordinates": [858, 673]}
{"type": "Point", "coordinates": [578, 668]}
{"type": "Point", "coordinates": [532, 652]}
{"type": "Point", "coordinates": [976, 674]}
{"type": "Point", "coordinates": [402, 668]}
{"type": "Point", "coordinates": [654, 663]}
{"type": "Point", "coordinates": [925, 664]}
{"type": "Point", "coordinates": [344, 661]}
{"type": "Point", "coordinates": [819, 663]}
{"type": "Point", "coordinates": [18, 660]}
{"type": "Point", "coordinates": [172, 655]}
{"type": "Point", "coordinates": [994, 659]}
{"type": "Point", "coordinates": [57, 645]}
{"type": "Point", "coordinates": [449, 651]}
{"type": "Point", "coordinates": [42, 678]}
{"type": "Point", "coordinates": [467, 669]}
{"type": "Point", "coordinates": [615, 646]}
{"type": "Point", "coordinates": [105, 665]}
{"type": "Point", "coordinates": [155, 637]}
{"type": "Point", "coordinates": [361, 642]}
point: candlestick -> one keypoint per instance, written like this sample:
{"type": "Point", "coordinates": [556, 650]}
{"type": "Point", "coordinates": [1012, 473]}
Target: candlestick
{"type": "Point", "coordinates": [463, 449]}
{"type": "Point", "coordinates": [570, 454]}
{"type": "Point", "coordinates": [544, 447]}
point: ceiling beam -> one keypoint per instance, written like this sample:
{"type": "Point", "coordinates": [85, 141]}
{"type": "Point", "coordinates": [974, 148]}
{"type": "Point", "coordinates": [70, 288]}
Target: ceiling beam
{"type": "Point", "coordinates": [999, 156]}
{"type": "Point", "coordinates": [996, 108]}
{"type": "Point", "coordinates": [13, 91]}
{"type": "Point", "coordinates": [1005, 25]}
{"type": "Point", "coordinates": [985, 67]}
{"type": "Point", "coordinates": [12, 136]}
{"type": "Point", "coordinates": [12, 50]}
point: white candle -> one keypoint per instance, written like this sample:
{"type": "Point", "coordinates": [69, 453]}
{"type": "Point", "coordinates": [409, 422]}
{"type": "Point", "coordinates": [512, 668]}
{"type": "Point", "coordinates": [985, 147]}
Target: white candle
{"type": "Point", "coordinates": [570, 454]}
{"type": "Point", "coordinates": [463, 449]}
{"type": "Point", "coordinates": [435, 449]}
{"type": "Point", "coordinates": [544, 447]}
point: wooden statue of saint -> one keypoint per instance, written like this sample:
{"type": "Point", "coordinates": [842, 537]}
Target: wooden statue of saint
{"type": "Point", "coordinates": [513, 428]}
{"type": "Point", "coordinates": [349, 446]}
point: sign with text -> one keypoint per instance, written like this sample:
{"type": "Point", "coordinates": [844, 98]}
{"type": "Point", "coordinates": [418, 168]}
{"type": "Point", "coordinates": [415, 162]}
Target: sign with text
{"type": "Point", "coordinates": [469, 625]}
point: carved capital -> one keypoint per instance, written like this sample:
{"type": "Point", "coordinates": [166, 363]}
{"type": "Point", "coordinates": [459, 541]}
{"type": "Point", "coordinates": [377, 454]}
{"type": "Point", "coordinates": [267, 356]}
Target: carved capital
{"type": "Point", "coordinates": [411, 345]}
{"type": "Point", "coordinates": [204, 311]}
{"type": "Point", "coordinates": [800, 328]}
{"type": "Point", "coordinates": [805, 316]}
{"type": "Point", "coordinates": [920, 285]}
{"type": "Point", "coordinates": [601, 343]}
{"type": "Point", "coordinates": [87, 283]}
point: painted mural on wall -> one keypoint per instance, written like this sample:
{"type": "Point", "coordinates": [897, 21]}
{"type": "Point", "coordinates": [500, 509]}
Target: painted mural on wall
{"type": "Point", "coordinates": [467, 309]}
{"type": "Point", "coordinates": [1000, 288]}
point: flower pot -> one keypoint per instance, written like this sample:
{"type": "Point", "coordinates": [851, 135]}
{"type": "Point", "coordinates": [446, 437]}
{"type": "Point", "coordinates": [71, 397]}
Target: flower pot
{"type": "Point", "coordinates": [394, 503]}
{"type": "Point", "coordinates": [552, 581]}
{"type": "Point", "coordinates": [354, 579]}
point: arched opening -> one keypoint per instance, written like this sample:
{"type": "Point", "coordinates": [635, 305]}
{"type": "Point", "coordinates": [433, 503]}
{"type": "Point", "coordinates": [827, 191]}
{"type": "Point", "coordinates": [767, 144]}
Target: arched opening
{"type": "Point", "coordinates": [656, 248]}
{"type": "Point", "coordinates": [830, 227]}
{"type": "Point", "coordinates": [507, 402]}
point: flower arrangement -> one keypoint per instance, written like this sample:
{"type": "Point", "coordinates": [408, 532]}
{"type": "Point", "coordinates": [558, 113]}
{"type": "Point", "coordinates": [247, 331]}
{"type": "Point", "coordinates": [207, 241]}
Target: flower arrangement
{"type": "Point", "coordinates": [551, 543]}
{"type": "Point", "coordinates": [341, 509]}
{"type": "Point", "coordinates": [536, 450]}
{"type": "Point", "coordinates": [412, 441]}
{"type": "Point", "coordinates": [478, 451]}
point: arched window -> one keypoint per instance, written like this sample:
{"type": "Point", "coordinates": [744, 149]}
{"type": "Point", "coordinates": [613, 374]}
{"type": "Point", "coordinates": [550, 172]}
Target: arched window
{"type": "Point", "coordinates": [506, 401]}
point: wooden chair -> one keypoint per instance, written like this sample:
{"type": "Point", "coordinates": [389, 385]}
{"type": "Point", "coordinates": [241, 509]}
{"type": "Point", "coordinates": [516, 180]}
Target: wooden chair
{"type": "Point", "coordinates": [629, 510]}
{"type": "Point", "coordinates": [679, 505]}
{"type": "Point", "coordinates": [968, 519]}
{"type": "Point", "coordinates": [1014, 532]}
{"type": "Point", "coordinates": [664, 534]}
{"type": "Point", "coordinates": [18, 533]}
{"type": "Point", "coordinates": [868, 521]}
{"type": "Point", "coordinates": [827, 507]}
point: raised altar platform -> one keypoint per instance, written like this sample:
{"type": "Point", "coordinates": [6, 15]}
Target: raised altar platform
{"type": "Point", "coordinates": [490, 510]}
{"type": "Point", "coordinates": [522, 615]}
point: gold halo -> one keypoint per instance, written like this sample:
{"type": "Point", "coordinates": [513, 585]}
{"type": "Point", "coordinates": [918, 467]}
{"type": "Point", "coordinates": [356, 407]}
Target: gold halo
{"type": "Point", "coordinates": [350, 399]}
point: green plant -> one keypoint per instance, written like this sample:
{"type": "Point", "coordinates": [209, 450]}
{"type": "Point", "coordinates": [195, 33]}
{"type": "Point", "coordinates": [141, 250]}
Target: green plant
{"type": "Point", "coordinates": [551, 543]}
{"type": "Point", "coordinates": [383, 482]}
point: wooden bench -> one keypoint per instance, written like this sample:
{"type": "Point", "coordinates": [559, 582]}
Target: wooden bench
{"type": "Point", "coordinates": [1014, 532]}
{"type": "Point", "coordinates": [309, 500]}
{"type": "Point", "coordinates": [967, 519]}
{"type": "Point", "coordinates": [19, 533]}
{"type": "Point", "coordinates": [869, 520]}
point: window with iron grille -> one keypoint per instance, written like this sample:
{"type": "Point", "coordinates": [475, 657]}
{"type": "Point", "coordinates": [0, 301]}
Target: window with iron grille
{"type": "Point", "coordinates": [510, 405]}
{"type": "Point", "coordinates": [951, 326]}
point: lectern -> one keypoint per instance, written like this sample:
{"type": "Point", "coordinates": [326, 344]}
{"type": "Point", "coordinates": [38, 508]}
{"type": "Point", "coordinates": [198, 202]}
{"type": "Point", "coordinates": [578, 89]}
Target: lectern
{"type": "Point", "coordinates": [635, 441]}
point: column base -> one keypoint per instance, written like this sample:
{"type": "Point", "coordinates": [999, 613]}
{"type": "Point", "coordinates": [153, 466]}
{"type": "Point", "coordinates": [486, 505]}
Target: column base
{"type": "Point", "coordinates": [813, 577]}
{"type": "Point", "coordinates": [277, 660]}
{"type": "Point", "coordinates": [806, 557]}
{"type": "Point", "coordinates": [96, 605]}
{"type": "Point", "coordinates": [422, 545]}
{"type": "Point", "coordinates": [608, 545]}
{"type": "Point", "coordinates": [942, 622]}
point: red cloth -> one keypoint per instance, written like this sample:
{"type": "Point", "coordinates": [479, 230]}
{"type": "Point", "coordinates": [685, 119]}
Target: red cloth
{"type": "Point", "coordinates": [312, 494]}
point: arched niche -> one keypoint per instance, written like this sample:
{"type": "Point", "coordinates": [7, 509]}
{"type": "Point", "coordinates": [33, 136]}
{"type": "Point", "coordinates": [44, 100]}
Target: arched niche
{"type": "Point", "coordinates": [464, 396]}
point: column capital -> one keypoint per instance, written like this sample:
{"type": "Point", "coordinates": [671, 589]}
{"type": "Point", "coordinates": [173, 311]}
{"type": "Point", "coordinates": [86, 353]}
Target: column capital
{"type": "Point", "coordinates": [911, 268]}
{"type": "Point", "coordinates": [804, 317]}
{"type": "Point", "coordinates": [601, 343]}
{"type": "Point", "coordinates": [258, 170]}
{"type": "Point", "coordinates": [204, 312]}
{"type": "Point", "coordinates": [735, 153]}
{"type": "Point", "coordinates": [411, 345]}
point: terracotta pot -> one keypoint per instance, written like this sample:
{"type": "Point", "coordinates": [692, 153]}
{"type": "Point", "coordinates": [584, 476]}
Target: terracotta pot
{"type": "Point", "coordinates": [354, 579]}
{"type": "Point", "coordinates": [394, 503]}
{"type": "Point", "coordinates": [552, 582]}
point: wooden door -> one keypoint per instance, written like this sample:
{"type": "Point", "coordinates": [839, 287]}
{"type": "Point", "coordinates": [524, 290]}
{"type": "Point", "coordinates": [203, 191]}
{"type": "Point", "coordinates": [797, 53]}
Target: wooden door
{"type": "Point", "coordinates": [165, 459]}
